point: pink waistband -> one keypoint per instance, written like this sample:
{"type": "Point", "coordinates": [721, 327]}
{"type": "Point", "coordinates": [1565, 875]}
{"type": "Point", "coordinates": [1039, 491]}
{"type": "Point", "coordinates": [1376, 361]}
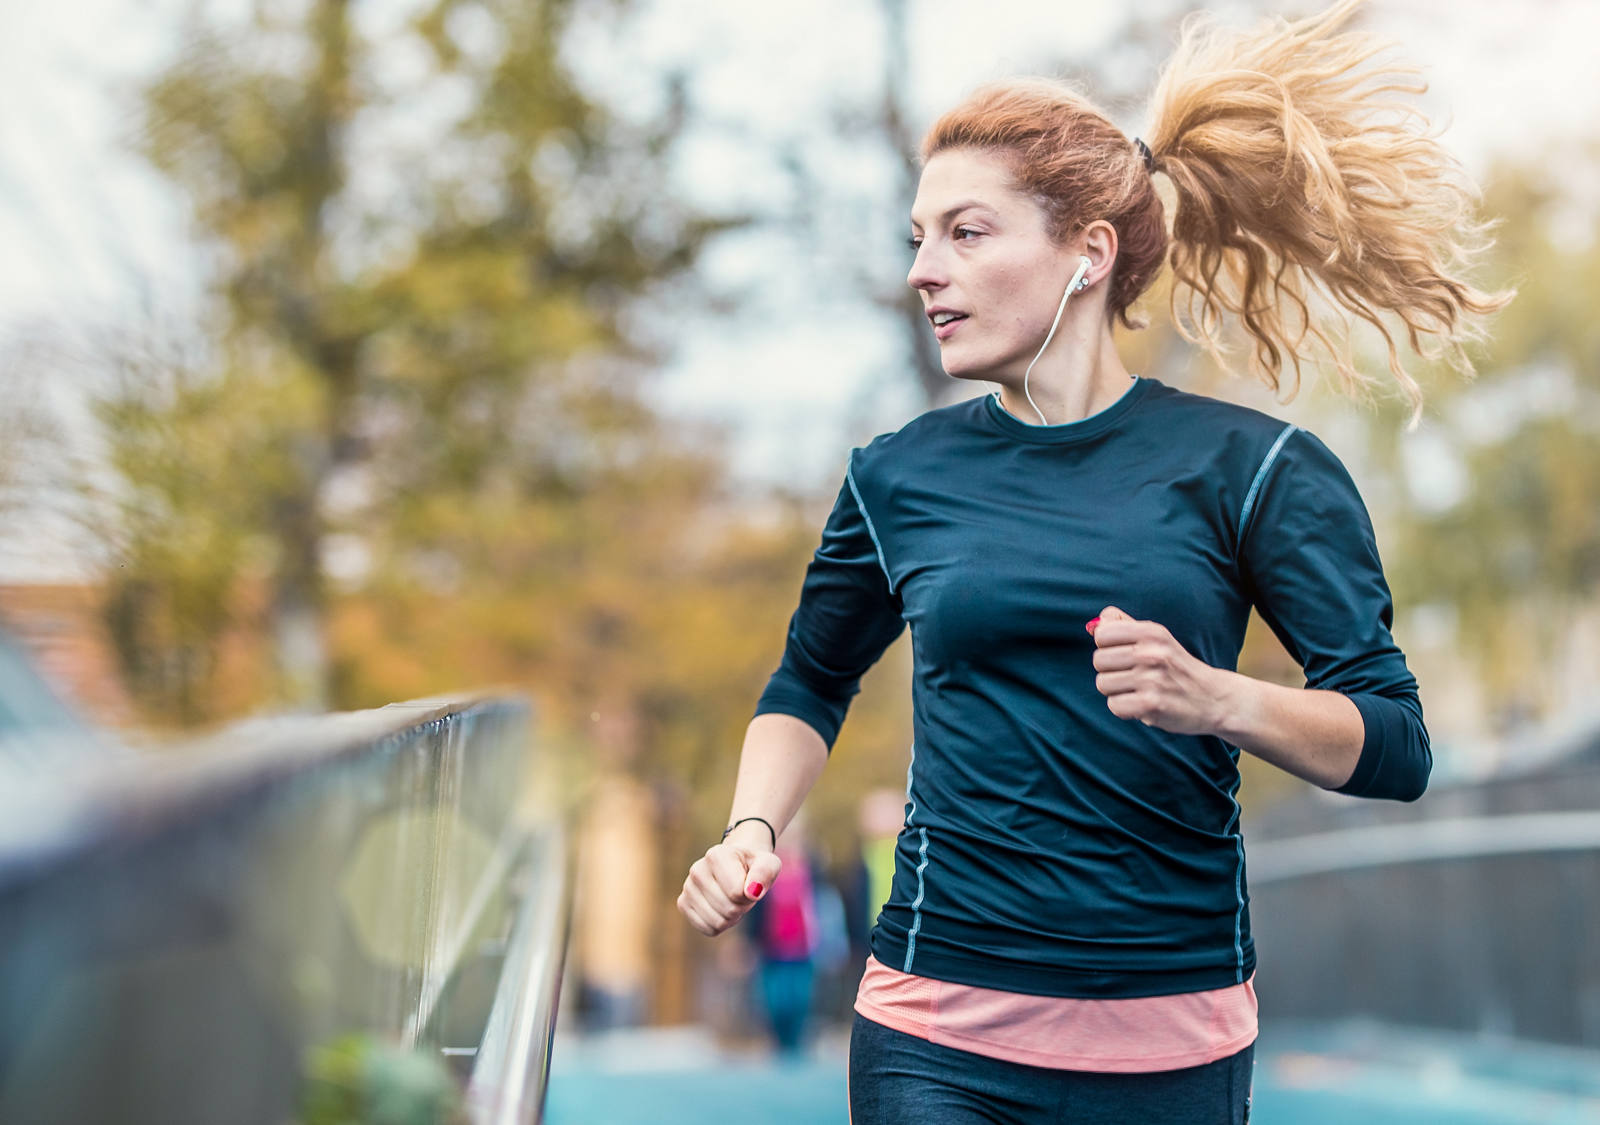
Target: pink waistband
{"type": "Point", "coordinates": [1136, 1035]}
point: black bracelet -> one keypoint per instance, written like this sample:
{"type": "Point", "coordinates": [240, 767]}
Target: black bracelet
{"type": "Point", "coordinates": [742, 819]}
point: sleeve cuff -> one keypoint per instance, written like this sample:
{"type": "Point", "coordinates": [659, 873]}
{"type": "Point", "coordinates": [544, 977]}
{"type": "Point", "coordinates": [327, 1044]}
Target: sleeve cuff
{"type": "Point", "coordinates": [1395, 760]}
{"type": "Point", "coordinates": [776, 701]}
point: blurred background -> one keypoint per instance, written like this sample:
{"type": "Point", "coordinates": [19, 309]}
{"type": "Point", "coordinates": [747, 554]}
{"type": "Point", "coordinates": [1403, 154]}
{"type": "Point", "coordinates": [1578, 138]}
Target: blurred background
{"type": "Point", "coordinates": [355, 352]}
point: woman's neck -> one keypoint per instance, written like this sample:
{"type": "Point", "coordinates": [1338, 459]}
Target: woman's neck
{"type": "Point", "coordinates": [1068, 392]}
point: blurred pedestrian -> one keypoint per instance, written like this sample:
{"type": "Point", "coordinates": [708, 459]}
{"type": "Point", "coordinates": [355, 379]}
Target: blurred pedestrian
{"type": "Point", "coordinates": [788, 935]}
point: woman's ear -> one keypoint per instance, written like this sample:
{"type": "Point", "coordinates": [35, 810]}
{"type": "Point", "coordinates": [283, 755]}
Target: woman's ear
{"type": "Point", "coordinates": [1100, 246]}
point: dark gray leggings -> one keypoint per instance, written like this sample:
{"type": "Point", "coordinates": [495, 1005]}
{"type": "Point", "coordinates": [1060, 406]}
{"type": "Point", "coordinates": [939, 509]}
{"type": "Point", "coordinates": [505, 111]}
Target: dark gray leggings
{"type": "Point", "coordinates": [897, 1078]}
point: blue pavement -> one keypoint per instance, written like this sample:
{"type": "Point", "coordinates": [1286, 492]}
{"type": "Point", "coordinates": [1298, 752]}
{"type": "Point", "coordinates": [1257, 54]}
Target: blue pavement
{"type": "Point", "coordinates": [1305, 1075]}
{"type": "Point", "coordinates": [669, 1075]}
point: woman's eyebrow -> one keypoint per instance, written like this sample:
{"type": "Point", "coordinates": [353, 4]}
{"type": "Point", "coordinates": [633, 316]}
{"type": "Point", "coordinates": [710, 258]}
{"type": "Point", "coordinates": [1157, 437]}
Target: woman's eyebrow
{"type": "Point", "coordinates": [956, 210]}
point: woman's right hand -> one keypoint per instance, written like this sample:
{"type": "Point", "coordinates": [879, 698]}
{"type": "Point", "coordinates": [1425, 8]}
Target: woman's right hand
{"type": "Point", "coordinates": [725, 883]}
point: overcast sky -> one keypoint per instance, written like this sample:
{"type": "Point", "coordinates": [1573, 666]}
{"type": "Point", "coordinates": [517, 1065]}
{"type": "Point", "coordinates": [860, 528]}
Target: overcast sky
{"type": "Point", "coordinates": [83, 226]}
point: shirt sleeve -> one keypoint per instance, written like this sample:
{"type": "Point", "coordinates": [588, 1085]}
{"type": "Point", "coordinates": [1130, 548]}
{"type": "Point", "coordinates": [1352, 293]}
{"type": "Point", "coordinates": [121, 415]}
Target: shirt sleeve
{"type": "Point", "coordinates": [1310, 563]}
{"type": "Point", "coordinates": [846, 618]}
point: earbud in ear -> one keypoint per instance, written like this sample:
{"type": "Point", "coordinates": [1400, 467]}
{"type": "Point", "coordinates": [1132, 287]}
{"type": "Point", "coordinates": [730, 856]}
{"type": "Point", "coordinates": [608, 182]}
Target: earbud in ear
{"type": "Point", "coordinates": [1086, 265]}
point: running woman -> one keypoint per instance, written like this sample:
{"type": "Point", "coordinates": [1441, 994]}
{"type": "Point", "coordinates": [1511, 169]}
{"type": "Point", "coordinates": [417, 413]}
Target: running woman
{"type": "Point", "coordinates": [1067, 938]}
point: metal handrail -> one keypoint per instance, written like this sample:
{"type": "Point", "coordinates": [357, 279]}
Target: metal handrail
{"type": "Point", "coordinates": [1470, 837]}
{"type": "Point", "coordinates": [512, 1068]}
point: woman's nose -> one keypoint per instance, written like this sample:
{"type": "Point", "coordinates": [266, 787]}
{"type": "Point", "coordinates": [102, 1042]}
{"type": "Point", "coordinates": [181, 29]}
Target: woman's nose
{"type": "Point", "coordinates": [925, 272]}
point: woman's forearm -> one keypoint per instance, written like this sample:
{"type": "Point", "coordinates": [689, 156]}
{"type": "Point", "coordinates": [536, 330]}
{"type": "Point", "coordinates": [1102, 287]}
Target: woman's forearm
{"type": "Point", "coordinates": [1315, 735]}
{"type": "Point", "coordinates": [781, 759]}
{"type": "Point", "coordinates": [780, 762]}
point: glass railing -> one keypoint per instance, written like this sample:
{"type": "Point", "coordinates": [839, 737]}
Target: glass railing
{"type": "Point", "coordinates": [347, 917]}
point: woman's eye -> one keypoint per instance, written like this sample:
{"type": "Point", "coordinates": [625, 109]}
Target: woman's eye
{"type": "Point", "coordinates": [914, 242]}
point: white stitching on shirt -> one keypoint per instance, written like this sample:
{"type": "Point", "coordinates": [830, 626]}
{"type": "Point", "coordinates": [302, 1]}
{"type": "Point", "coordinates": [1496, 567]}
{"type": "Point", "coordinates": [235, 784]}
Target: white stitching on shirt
{"type": "Point", "coordinates": [1238, 883]}
{"type": "Point", "coordinates": [1266, 463]}
{"type": "Point", "coordinates": [916, 907]}
{"type": "Point", "coordinates": [922, 853]}
{"type": "Point", "coordinates": [850, 479]}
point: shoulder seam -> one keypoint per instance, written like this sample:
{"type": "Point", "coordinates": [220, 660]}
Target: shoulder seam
{"type": "Point", "coordinates": [1255, 485]}
{"type": "Point", "coordinates": [850, 479]}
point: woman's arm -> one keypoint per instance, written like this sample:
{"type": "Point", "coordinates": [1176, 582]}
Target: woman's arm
{"type": "Point", "coordinates": [780, 762]}
{"type": "Point", "coordinates": [1147, 675]}
{"type": "Point", "coordinates": [847, 616]}
{"type": "Point", "coordinates": [1315, 735]}
{"type": "Point", "coordinates": [1366, 745]}
{"type": "Point", "coordinates": [1308, 562]}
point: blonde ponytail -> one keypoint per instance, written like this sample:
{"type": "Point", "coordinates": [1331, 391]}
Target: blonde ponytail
{"type": "Point", "coordinates": [1302, 180]}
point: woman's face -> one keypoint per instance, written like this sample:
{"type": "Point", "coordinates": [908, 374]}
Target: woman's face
{"type": "Point", "coordinates": [982, 252]}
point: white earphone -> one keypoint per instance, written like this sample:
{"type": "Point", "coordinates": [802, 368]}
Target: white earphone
{"type": "Point", "coordinates": [1079, 282]}
{"type": "Point", "coordinates": [1078, 279]}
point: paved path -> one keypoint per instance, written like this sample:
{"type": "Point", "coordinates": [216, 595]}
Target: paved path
{"type": "Point", "coordinates": [1305, 1075]}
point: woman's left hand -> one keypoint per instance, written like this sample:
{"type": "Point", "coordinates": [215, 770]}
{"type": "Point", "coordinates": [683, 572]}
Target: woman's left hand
{"type": "Point", "coordinates": [1145, 674]}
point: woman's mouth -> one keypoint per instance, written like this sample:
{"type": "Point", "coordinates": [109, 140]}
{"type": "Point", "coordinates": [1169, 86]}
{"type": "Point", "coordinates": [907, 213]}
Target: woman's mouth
{"type": "Point", "coordinates": [942, 331]}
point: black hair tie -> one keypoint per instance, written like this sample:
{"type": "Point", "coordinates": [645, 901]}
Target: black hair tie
{"type": "Point", "coordinates": [742, 819]}
{"type": "Point", "coordinates": [1144, 151]}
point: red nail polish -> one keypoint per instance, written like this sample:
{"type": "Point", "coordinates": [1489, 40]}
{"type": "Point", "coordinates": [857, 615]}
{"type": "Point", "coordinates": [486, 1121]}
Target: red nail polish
{"type": "Point", "coordinates": [1090, 626]}
{"type": "Point", "coordinates": [753, 890]}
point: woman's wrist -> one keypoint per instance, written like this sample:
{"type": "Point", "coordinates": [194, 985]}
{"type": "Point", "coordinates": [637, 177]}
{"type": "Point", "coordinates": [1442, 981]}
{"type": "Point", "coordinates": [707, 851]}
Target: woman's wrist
{"type": "Point", "coordinates": [752, 834]}
{"type": "Point", "coordinates": [1236, 703]}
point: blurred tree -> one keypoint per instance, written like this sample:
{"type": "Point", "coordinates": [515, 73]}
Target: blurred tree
{"type": "Point", "coordinates": [424, 374]}
{"type": "Point", "coordinates": [194, 458]}
{"type": "Point", "coordinates": [412, 453]}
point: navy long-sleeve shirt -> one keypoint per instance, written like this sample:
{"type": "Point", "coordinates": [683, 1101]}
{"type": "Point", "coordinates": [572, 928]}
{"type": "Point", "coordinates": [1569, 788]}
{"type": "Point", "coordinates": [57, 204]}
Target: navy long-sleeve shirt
{"type": "Point", "coordinates": [1050, 847]}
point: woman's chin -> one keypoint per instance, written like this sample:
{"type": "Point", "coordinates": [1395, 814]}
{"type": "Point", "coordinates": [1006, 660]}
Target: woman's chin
{"type": "Point", "coordinates": [971, 372]}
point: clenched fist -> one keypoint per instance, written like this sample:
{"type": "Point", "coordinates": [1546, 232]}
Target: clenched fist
{"type": "Point", "coordinates": [1145, 674]}
{"type": "Point", "coordinates": [725, 883]}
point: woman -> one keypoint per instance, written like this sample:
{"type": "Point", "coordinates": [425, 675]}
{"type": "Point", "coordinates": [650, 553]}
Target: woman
{"type": "Point", "coordinates": [1067, 937]}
